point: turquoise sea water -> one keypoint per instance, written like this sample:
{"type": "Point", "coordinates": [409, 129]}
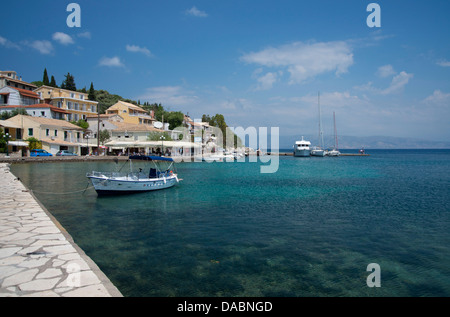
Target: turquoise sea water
{"type": "Point", "coordinates": [310, 229]}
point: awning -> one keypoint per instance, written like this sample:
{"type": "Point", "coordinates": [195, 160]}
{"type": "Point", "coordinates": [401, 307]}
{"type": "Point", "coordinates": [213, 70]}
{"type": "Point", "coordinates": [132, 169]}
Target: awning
{"type": "Point", "coordinates": [18, 143]}
{"type": "Point", "coordinates": [143, 144]}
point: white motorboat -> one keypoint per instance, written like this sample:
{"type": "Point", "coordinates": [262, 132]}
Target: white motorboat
{"type": "Point", "coordinates": [302, 148]}
{"type": "Point", "coordinates": [113, 183]}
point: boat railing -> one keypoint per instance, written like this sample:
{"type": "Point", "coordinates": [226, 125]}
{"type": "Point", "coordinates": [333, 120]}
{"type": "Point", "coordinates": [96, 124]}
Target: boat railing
{"type": "Point", "coordinates": [128, 176]}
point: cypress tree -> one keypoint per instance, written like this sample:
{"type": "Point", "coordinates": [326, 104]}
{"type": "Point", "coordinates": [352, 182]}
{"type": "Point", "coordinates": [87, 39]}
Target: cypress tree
{"type": "Point", "coordinates": [91, 95]}
{"type": "Point", "coordinates": [45, 78]}
{"type": "Point", "coordinates": [53, 82]}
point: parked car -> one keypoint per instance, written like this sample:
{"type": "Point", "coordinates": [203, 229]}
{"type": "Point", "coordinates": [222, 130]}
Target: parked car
{"type": "Point", "coordinates": [65, 153]}
{"type": "Point", "coordinates": [38, 152]}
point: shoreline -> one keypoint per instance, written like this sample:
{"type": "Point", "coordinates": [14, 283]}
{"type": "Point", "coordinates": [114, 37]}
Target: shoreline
{"type": "Point", "coordinates": [38, 257]}
{"type": "Point", "coordinates": [48, 159]}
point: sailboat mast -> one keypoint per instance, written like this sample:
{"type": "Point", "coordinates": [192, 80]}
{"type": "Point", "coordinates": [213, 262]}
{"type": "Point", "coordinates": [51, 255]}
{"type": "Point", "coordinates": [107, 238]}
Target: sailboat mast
{"type": "Point", "coordinates": [320, 122]}
{"type": "Point", "coordinates": [335, 131]}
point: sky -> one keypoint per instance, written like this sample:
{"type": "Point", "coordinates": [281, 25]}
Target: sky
{"type": "Point", "coordinates": [259, 63]}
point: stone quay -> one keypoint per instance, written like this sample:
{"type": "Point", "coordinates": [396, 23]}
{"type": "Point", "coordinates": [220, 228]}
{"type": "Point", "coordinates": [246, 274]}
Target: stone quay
{"type": "Point", "coordinates": [38, 257]}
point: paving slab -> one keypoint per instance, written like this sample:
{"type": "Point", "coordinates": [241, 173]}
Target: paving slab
{"type": "Point", "coordinates": [38, 257]}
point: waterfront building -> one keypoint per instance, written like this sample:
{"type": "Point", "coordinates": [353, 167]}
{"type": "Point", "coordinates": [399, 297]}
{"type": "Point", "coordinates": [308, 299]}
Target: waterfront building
{"type": "Point", "coordinates": [39, 110]}
{"type": "Point", "coordinates": [131, 113]}
{"type": "Point", "coordinates": [16, 147]}
{"type": "Point", "coordinates": [9, 78]}
{"type": "Point", "coordinates": [75, 104]}
{"type": "Point", "coordinates": [54, 134]}
{"type": "Point", "coordinates": [13, 96]}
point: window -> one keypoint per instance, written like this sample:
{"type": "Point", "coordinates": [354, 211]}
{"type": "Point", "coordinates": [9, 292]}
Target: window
{"type": "Point", "coordinates": [47, 132]}
{"type": "Point", "coordinates": [76, 106]}
{"type": "Point", "coordinates": [56, 132]}
{"type": "Point", "coordinates": [59, 104]}
{"type": "Point", "coordinates": [81, 97]}
{"type": "Point", "coordinates": [43, 113]}
{"type": "Point", "coordinates": [30, 132]}
{"type": "Point", "coordinates": [65, 135]}
{"type": "Point", "coordinates": [69, 105]}
{"type": "Point", "coordinates": [72, 95]}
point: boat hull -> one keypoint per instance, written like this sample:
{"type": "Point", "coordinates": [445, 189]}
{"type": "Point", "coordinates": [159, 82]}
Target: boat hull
{"type": "Point", "coordinates": [110, 186]}
{"type": "Point", "coordinates": [334, 153]}
{"type": "Point", "coordinates": [302, 153]}
{"type": "Point", "coordinates": [320, 153]}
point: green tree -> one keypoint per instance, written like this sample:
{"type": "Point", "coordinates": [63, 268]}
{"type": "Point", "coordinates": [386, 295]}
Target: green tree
{"type": "Point", "coordinates": [175, 119]}
{"type": "Point", "coordinates": [81, 123]}
{"type": "Point", "coordinates": [156, 136]}
{"type": "Point", "coordinates": [2, 141]}
{"type": "Point", "coordinates": [34, 143]}
{"type": "Point", "coordinates": [9, 114]}
{"type": "Point", "coordinates": [45, 78]}
{"type": "Point", "coordinates": [104, 136]}
{"type": "Point", "coordinates": [37, 83]}
{"type": "Point", "coordinates": [53, 82]}
{"type": "Point", "coordinates": [206, 118]}
{"type": "Point", "coordinates": [91, 95]}
{"type": "Point", "coordinates": [69, 83]}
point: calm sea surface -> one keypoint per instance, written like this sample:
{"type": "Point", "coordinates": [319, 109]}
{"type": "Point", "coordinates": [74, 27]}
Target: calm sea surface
{"type": "Point", "coordinates": [310, 229]}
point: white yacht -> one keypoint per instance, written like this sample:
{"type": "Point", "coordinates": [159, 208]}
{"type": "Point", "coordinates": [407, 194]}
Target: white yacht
{"type": "Point", "coordinates": [302, 148]}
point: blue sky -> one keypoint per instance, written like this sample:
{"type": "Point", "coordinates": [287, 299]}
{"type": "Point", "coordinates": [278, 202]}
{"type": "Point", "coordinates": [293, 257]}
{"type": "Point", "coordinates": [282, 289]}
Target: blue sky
{"type": "Point", "coordinates": [259, 63]}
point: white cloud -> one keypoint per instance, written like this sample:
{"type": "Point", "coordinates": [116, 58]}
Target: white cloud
{"type": "Point", "coordinates": [385, 71]}
{"type": "Point", "coordinates": [439, 98]}
{"type": "Point", "coordinates": [62, 38]}
{"type": "Point", "coordinates": [196, 12]}
{"type": "Point", "coordinates": [266, 82]}
{"type": "Point", "coordinates": [138, 49]}
{"type": "Point", "coordinates": [44, 47]}
{"type": "Point", "coordinates": [443, 63]}
{"type": "Point", "coordinates": [111, 62]}
{"type": "Point", "coordinates": [237, 104]}
{"type": "Point", "coordinates": [398, 82]}
{"type": "Point", "coordinates": [169, 95]}
{"type": "Point", "coordinates": [304, 60]}
{"type": "Point", "coordinates": [8, 44]}
{"type": "Point", "coordinates": [86, 35]}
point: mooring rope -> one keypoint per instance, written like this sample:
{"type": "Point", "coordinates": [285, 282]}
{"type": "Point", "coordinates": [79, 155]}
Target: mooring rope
{"type": "Point", "coordinates": [65, 193]}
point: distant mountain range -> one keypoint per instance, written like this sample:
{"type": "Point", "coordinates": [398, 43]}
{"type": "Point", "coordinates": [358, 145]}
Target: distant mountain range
{"type": "Point", "coordinates": [371, 142]}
